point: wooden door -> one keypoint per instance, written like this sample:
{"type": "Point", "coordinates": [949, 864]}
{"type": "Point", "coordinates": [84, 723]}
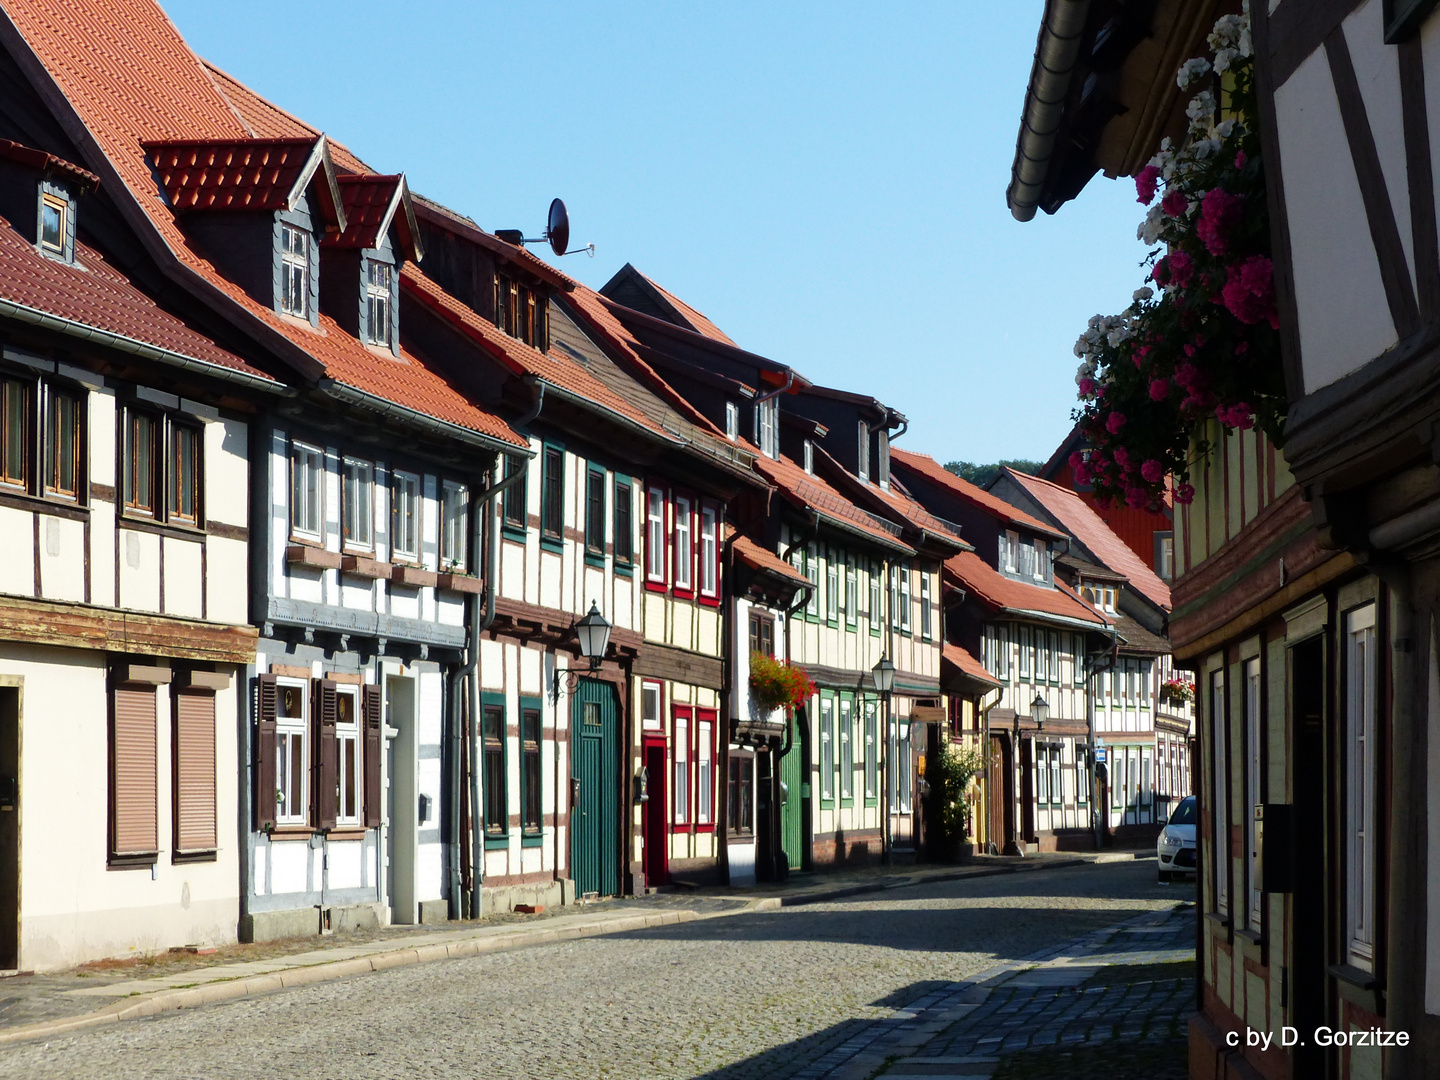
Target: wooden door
{"type": "Point", "coordinates": [998, 784]}
{"type": "Point", "coordinates": [9, 828]}
{"type": "Point", "coordinates": [653, 824]}
{"type": "Point", "coordinates": [792, 776]}
{"type": "Point", "coordinates": [595, 790]}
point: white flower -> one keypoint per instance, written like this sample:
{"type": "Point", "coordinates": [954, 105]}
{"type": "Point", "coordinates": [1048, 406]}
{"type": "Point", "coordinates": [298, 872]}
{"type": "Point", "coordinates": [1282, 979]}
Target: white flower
{"type": "Point", "coordinates": [1149, 231]}
{"type": "Point", "coordinates": [1246, 46]}
{"type": "Point", "coordinates": [1225, 34]}
{"type": "Point", "coordinates": [1202, 106]}
{"type": "Point", "coordinates": [1143, 293]}
{"type": "Point", "coordinates": [1116, 336]}
{"type": "Point", "coordinates": [1225, 128]}
{"type": "Point", "coordinates": [1224, 58]}
{"type": "Point", "coordinates": [1205, 149]}
{"type": "Point", "coordinates": [1190, 71]}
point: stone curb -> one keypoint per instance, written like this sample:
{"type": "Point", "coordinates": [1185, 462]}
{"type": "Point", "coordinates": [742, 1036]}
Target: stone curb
{"type": "Point", "coordinates": [826, 895]}
{"type": "Point", "coordinates": [163, 1001]}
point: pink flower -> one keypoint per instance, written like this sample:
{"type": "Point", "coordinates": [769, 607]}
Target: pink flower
{"type": "Point", "coordinates": [1240, 159]}
{"type": "Point", "coordinates": [1238, 415]}
{"type": "Point", "coordinates": [1241, 348]}
{"type": "Point", "coordinates": [1152, 471]}
{"type": "Point", "coordinates": [1082, 473]}
{"type": "Point", "coordinates": [1122, 457]}
{"type": "Point", "coordinates": [1159, 389]}
{"type": "Point", "coordinates": [1175, 203]}
{"type": "Point", "coordinates": [1145, 184]}
{"type": "Point", "coordinates": [1087, 387]}
{"type": "Point", "coordinates": [1077, 459]}
{"type": "Point", "coordinates": [1185, 494]}
{"type": "Point", "coordinates": [1174, 269]}
{"type": "Point", "coordinates": [1137, 498]}
{"type": "Point", "coordinates": [1249, 292]}
{"type": "Point", "coordinates": [1114, 422]}
{"type": "Point", "coordinates": [1187, 375]}
{"type": "Point", "coordinates": [1220, 212]}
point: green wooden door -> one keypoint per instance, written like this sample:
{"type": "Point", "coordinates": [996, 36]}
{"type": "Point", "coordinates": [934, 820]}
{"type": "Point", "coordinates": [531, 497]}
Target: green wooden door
{"type": "Point", "coordinates": [792, 815]}
{"type": "Point", "coordinates": [594, 772]}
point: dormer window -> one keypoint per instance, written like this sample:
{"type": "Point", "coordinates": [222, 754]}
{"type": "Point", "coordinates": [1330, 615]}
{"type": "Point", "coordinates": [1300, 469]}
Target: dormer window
{"type": "Point", "coordinates": [882, 466]}
{"type": "Point", "coordinates": [522, 313]}
{"type": "Point", "coordinates": [732, 420]}
{"type": "Point", "coordinates": [809, 457]}
{"type": "Point", "coordinates": [766, 423]}
{"type": "Point", "coordinates": [862, 459]}
{"type": "Point", "coordinates": [295, 271]}
{"type": "Point", "coordinates": [56, 225]}
{"type": "Point", "coordinates": [379, 280]}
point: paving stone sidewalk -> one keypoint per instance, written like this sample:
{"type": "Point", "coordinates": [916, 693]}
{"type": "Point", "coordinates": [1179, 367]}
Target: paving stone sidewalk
{"type": "Point", "coordinates": [992, 1024]}
{"type": "Point", "coordinates": [105, 991]}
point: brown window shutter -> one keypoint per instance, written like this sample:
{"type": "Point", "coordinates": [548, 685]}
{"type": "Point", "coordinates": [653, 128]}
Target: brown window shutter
{"type": "Point", "coordinates": [267, 702]}
{"type": "Point", "coordinates": [133, 827]}
{"type": "Point", "coordinates": [370, 717]}
{"type": "Point", "coordinates": [327, 756]}
{"type": "Point", "coordinates": [194, 757]}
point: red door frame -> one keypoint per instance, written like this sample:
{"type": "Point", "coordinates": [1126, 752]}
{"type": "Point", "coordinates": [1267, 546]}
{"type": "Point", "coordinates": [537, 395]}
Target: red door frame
{"type": "Point", "coordinates": [654, 823]}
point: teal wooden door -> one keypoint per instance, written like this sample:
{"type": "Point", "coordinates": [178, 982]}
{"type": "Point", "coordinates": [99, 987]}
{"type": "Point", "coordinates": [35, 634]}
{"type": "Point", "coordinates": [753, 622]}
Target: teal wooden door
{"type": "Point", "coordinates": [594, 778]}
{"type": "Point", "coordinates": [792, 816]}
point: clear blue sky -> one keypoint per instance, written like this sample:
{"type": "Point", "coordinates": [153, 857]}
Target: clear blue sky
{"type": "Point", "coordinates": [825, 181]}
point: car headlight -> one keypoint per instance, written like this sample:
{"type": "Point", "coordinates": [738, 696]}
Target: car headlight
{"type": "Point", "coordinates": [1169, 839]}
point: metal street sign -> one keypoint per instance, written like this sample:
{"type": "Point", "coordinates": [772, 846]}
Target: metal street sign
{"type": "Point", "coordinates": [1099, 754]}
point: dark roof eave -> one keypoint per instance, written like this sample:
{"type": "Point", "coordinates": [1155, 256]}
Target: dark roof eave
{"type": "Point", "coordinates": [383, 407]}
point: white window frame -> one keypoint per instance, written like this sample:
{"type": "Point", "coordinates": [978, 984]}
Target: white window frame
{"type": "Point", "coordinates": [294, 271]}
{"type": "Point", "coordinates": [832, 587]}
{"type": "Point", "coordinates": [1012, 551]}
{"type": "Point", "coordinates": [1041, 557]}
{"type": "Point", "coordinates": [704, 772]}
{"type": "Point", "coordinates": [905, 597]}
{"type": "Point", "coordinates": [882, 455]}
{"type": "Point", "coordinates": [454, 525]}
{"type": "Point", "coordinates": [895, 596]}
{"type": "Point", "coordinates": [379, 297]}
{"type": "Point", "coordinates": [732, 421]}
{"type": "Point", "coordinates": [357, 499]}
{"type": "Point", "coordinates": [405, 538]}
{"type": "Point", "coordinates": [709, 551]}
{"type": "Point", "coordinates": [828, 756]}
{"type": "Point", "coordinates": [877, 616]}
{"type": "Point", "coordinates": [808, 457]}
{"type": "Point", "coordinates": [680, 755]}
{"type": "Point", "coordinates": [291, 783]}
{"type": "Point", "coordinates": [684, 556]}
{"type": "Point", "coordinates": [655, 543]}
{"type": "Point", "coordinates": [347, 735]}
{"type": "Point", "coordinates": [652, 706]}
{"type": "Point", "coordinates": [862, 457]}
{"type": "Point", "coordinates": [846, 720]}
{"type": "Point", "coordinates": [307, 491]}
{"type": "Point", "coordinates": [766, 421]}
{"type": "Point", "coordinates": [812, 573]}
{"type": "Point", "coordinates": [1361, 778]}
{"type": "Point", "coordinates": [927, 617]}
{"type": "Point", "coordinates": [852, 592]}
{"type": "Point", "coordinates": [1221, 824]}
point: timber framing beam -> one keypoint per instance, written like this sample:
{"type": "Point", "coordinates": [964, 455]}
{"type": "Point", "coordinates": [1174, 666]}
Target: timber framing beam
{"type": "Point", "coordinates": [80, 626]}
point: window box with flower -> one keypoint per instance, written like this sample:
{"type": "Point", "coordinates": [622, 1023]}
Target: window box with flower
{"type": "Point", "coordinates": [775, 684]}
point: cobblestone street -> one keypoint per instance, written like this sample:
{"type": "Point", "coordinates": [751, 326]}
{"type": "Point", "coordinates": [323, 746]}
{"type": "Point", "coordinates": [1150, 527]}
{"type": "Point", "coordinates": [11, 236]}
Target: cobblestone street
{"type": "Point", "coordinates": [803, 991]}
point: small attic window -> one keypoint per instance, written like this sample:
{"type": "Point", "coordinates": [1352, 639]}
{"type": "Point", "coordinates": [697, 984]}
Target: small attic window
{"type": "Point", "coordinates": [732, 421]}
{"type": "Point", "coordinates": [56, 224]}
{"type": "Point", "coordinates": [809, 457]}
{"type": "Point", "coordinates": [295, 271]}
{"type": "Point", "coordinates": [379, 282]}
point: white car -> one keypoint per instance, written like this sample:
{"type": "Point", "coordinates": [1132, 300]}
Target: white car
{"type": "Point", "coordinates": [1176, 846]}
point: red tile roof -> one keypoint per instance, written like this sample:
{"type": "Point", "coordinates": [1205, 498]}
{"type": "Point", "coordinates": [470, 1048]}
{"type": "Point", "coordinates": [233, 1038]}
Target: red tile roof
{"type": "Point", "coordinates": [1088, 527]}
{"type": "Point", "coordinates": [95, 294]}
{"type": "Point", "coordinates": [812, 493]}
{"type": "Point", "coordinates": [932, 470]}
{"type": "Point", "coordinates": [898, 503]}
{"type": "Point", "coordinates": [372, 203]}
{"type": "Point", "coordinates": [232, 174]}
{"type": "Point", "coordinates": [130, 78]}
{"type": "Point", "coordinates": [987, 584]}
{"type": "Point", "coordinates": [968, 665]}
{"type": "Point", "coordinates": [39, 159]}
{"type": "Point", "coordinates": [759, 558]}
{"type": "Point", "coordinates": [266, 120]}
{"type": "Point", "coordinates": [698, 322]}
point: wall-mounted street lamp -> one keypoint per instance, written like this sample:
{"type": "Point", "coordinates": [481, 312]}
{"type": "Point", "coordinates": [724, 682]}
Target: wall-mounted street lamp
{"type": "Point", "coordinates": [884, 675]}
{"type": "Point", "coordinates": [1040, 709]}
{"type": "Point", "coordinates": [594, 633]}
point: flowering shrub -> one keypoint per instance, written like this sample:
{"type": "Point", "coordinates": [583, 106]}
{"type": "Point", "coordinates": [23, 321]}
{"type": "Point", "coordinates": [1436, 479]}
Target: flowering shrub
{"type": "Point", "coordinates": [1176, 691]}
{"type": "Point", "coordinates": [775, 684]}
{"type": "Point", "coordinates": [954, 766]}
{"type": "Point", "coordinates": [1201, 343]}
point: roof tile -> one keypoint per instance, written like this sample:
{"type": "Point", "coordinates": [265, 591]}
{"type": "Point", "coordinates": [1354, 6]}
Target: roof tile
{"type": "Point", "coordinates": [936, 473]}
{"type": "Point", "coordinates": [968, 664]}
{"type": "Point", "coordinates": [229, 174]}
{"type": "Point", "coordinates": [1001, 592]}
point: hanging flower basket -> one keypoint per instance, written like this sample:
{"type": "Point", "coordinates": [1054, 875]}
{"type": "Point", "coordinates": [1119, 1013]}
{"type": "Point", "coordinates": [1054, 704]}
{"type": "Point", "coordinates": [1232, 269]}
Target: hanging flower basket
{"type": "Point", "coordinates": [775, 684]}
{"type": "Point", "coordinates": [1177, 692]}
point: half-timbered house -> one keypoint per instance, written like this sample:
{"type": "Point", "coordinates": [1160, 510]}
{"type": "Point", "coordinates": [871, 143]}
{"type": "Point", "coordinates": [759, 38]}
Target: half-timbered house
{"type": "Point", "coordinates": [123, 609]}
{"type": "Point", "coordinates": [1305, 588]}
{"type": "Point", "coordinates": [1040, 640]}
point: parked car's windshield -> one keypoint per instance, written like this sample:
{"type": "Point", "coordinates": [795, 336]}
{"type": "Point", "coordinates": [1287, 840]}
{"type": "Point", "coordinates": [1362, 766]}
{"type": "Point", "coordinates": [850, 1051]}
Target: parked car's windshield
{"type": "Point", "coordinates": [1184, 813]}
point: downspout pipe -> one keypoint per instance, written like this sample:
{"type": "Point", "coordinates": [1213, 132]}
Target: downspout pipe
{"type": "Point", "coordinates": [789, 382]}
{"type": "Point", "coordinates": [1055, 56]}
{"type": "Point", "coordinates": [478, 625]}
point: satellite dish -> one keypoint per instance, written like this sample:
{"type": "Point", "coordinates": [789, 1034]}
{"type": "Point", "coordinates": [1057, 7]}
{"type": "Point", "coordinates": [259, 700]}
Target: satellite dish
{"type": "Point", "coordinates": [557, 231]}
